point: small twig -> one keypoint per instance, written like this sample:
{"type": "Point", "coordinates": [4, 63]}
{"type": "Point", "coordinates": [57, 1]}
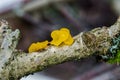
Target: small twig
{"type": "Point", "coordinates": [16, 64]}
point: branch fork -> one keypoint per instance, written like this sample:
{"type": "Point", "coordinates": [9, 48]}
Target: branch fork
{"type": "Point", "coordinates": [16, 64]}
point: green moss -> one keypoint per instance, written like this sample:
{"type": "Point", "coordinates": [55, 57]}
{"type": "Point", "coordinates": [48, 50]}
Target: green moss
{"type": "Point", "coordinates": [116, 59]}
{"type": "Point", "coordinates": [113, 55]}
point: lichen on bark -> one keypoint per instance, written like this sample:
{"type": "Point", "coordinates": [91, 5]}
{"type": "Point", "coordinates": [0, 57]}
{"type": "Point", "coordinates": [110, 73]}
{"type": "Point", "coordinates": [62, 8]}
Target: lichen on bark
{"type": "Point", "coordinates": [16, 64]}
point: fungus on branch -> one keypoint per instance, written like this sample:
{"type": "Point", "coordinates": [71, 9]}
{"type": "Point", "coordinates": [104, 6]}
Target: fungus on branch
{"type": "Point", "coordinates": [16, 64]}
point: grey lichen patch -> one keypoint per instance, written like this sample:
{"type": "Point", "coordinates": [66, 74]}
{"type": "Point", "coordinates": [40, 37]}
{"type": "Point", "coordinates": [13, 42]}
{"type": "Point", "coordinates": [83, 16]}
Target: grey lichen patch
{"type": "Point", "coordinates": [102, 35]}
{"type": "Point", "coordinates": [51, 60]}
{"type": "Point", "coordinates": [89, 39]}
{"type": "Point", "coordinates": [96, 30]}
{"type": "Point", "coordinates": [11, 39]}
{"type": "Point", "coordinates": [8, 46]}
{"type": "Point", "coordinates": [115, 29]}
{"type": "Point", "coordinates": [103, 39]}
{"type": "Point", "coordinates": [3, 29]}
{"type": "Point", "coordinates": [10, 68]}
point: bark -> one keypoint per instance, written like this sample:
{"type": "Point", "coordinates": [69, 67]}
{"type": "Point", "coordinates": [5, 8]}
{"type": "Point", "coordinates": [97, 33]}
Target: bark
{"type": "Point", "coordinates": [16, 63]}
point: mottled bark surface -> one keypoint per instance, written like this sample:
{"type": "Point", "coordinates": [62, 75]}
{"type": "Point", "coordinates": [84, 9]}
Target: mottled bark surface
{"type": "Point", "coordinates": [16, 64]}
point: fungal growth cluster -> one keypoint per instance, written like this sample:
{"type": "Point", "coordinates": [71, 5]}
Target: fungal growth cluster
{"type": "Point", "coordinates": [59, 38]}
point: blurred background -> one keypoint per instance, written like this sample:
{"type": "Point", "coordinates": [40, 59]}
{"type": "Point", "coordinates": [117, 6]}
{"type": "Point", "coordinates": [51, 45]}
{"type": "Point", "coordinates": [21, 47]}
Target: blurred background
{"type": "Point", "coordinates": [37, 18]}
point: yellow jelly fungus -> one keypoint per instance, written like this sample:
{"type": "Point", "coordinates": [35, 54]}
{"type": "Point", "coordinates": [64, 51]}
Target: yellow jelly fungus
{"type": "Point", "coordinates": [58, 37]}
{"type": "Point", "coordinates": [69, 41]}
{"type": "Point", "coordinates": [61, 36]}
{"type": "Point", "coordinates": [65, 29]}
{"type": "Point", "coordinates": [37, 46]}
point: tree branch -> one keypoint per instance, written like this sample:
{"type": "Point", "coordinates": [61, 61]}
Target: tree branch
{"type": "Point", "coordinates": [16, 64]}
